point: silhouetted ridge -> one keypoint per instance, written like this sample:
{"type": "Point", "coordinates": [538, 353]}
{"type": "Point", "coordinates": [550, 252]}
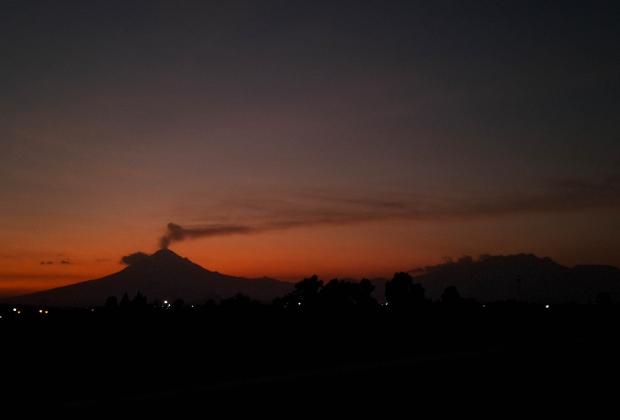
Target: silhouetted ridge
{"type": "Point", "coordinates": [161, 275]}
{"type": "Point", "coordinates": [520, 277]}
{"type": "Point", "coordinates": [167, 254]}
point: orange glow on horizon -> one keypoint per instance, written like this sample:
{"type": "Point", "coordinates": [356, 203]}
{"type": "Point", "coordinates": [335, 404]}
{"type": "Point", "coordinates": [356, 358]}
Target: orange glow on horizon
{"type": "Point", "coordinates": [354, 251]}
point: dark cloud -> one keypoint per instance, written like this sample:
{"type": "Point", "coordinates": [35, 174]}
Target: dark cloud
{"type": "Point", "coordinates": [63, 262]}
{"type": "Point", "coordinates": [561, 196]}
{"type": "Point", "coordinates": [135, 258]}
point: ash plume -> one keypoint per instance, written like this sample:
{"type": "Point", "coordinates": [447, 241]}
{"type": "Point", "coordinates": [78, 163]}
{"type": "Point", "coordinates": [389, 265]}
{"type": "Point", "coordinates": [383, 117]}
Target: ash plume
{"type": "Point", "coordinates": [576, 194]}
{"type": "Point", "coordinates": [177, 233]}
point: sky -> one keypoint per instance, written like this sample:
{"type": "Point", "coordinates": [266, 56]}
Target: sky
{"type": "Point", "coordinates": [286, 138]}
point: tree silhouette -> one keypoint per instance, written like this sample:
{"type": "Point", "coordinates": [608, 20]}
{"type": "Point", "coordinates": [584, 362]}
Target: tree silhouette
{"type": "Point", "coordinates": [239, 303]}
{"type": "Point", "coordinates": [111, 303]}
{"type": "Point", "coordinates": [451, 296]}
{"type": "Point", "coordinates": [139, 301]}
{"type": "Point", "coordinates": [306, 293]}
{"type": "Point", "coordinates": [363, 294]}
{"type": "Point", "coordinates": [337, 295]}
{"type": "Point", "coordinates": [125, 301]}
{"type": "Point", "coordinates": [402, 293]}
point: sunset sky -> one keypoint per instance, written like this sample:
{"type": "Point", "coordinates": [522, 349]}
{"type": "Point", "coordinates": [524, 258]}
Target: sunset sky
{"type": "Point", "coordinates": [338, 138]}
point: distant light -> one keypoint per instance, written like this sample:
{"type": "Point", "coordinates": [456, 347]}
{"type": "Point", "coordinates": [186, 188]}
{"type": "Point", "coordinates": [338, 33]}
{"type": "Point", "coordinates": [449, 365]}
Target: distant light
{"type": "Point", "coordinates": [386, 303]}
{"type": "Point", "coordinates": [19, 312]}
{"type": "Point", "coordinates": [546, 306]}
{"type": "Point", "coordinates": [40, 311]}
{"type": "Point", "coordinates": [14, 309]}
{"type": "Point", "coordinates": [484, 306]}
{"type": "Point", "coordinates": [47, 312]}
{"type": "Point", "coordinates": [92, 309]}
{"type": "Point", "coordinates": [298, 303]}
{"type": "Point", "coordinates": [165, 302]}
{"type": "Point", "coordinates": [192, 306]}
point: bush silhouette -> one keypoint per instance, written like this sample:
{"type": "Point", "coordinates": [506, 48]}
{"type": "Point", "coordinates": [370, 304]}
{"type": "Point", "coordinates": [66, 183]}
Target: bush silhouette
{"type": "Point", "coordinates": [402, 293]}
{"type": "Point", "coordinates": [451, 296]}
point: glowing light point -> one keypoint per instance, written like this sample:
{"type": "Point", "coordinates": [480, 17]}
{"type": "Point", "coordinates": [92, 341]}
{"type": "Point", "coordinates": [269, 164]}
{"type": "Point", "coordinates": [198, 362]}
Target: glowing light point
{"type": "Point", "coordinates": [40, 311]}
{"type": "Point", "coordinates": [547, 306]}
{"type": "Point", "coordinates": [165, 302]}
{"type": "Point", "coordinates": [14, 309]}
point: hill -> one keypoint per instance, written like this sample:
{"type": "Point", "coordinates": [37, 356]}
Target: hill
{"type": "Point", "coordinates": [521, 277]}
{"type": "Point", "coordinates": [162, 275]}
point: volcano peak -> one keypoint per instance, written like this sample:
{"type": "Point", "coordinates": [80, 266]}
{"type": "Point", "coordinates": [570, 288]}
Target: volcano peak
{"type": "Point", "coordinates": [165, 253]}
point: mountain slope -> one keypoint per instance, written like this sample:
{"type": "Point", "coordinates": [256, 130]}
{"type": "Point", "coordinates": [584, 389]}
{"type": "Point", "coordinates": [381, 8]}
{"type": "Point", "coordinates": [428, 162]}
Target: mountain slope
{"type": "Point", "coordinates": [523, 277]}
{"type": "Point", "coordinates": [162, 275]}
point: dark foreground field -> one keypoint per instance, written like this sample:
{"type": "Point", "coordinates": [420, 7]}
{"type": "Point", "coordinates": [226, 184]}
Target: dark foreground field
{"type": "Point", "coordinates": [494, 360]}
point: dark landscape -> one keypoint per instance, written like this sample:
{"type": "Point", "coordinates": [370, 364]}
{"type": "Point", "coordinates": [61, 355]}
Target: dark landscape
{"type": "Point", "coordinates": [333, 342]}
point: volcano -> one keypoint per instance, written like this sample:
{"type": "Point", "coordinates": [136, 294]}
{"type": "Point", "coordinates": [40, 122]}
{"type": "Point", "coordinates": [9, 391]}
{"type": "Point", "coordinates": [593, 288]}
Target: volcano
{"type": "Point", "coordinates": [521, 277]}
{"type": "Point", "coordinates": [162, 275]}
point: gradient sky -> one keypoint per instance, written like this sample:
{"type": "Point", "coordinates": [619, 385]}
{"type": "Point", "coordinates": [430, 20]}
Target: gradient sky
{"type": "Point", "coordinates": [343, 138]}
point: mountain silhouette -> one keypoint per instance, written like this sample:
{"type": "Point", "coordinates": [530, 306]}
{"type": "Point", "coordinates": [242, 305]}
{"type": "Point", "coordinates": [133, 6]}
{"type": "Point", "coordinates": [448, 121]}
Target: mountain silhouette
{"type": "Point", "coordinates": [518, 277]}
{"type": "Point", "coordinates": [521, 277]}
{"type": "Point", "coordinates": [162, 275]}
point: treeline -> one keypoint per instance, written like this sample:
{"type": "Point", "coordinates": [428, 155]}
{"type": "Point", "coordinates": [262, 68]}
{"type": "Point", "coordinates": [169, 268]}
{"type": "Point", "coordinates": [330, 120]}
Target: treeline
{"type": "Point", "coordinates": [309, 296]}
{"type": "Point", "coordinates": [313, 295]}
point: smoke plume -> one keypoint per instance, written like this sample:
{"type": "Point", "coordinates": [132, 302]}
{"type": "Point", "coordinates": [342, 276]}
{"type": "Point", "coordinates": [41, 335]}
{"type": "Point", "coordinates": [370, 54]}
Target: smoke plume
{"type": "Point", "coordinates": [176, 233]}
{"type": "Point", "coordinates": [563, 195]}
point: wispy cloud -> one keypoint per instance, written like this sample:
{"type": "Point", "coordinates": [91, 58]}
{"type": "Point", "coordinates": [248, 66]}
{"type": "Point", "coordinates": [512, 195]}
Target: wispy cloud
{"type": "Point", "coordinates": [62, 262]}
{"type": "Point", "coordinates": [325, 209]}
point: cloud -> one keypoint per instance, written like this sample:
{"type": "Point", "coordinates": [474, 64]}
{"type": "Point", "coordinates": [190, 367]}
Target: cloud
{"type": "Point", "coordinates": [135, 258]}
{"type": "Point", "coordinates": [565, 195]}
{"type": "Point", "coordinates": [63, 262]}
{"type": "Point", "coordinates": [324, 210]}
